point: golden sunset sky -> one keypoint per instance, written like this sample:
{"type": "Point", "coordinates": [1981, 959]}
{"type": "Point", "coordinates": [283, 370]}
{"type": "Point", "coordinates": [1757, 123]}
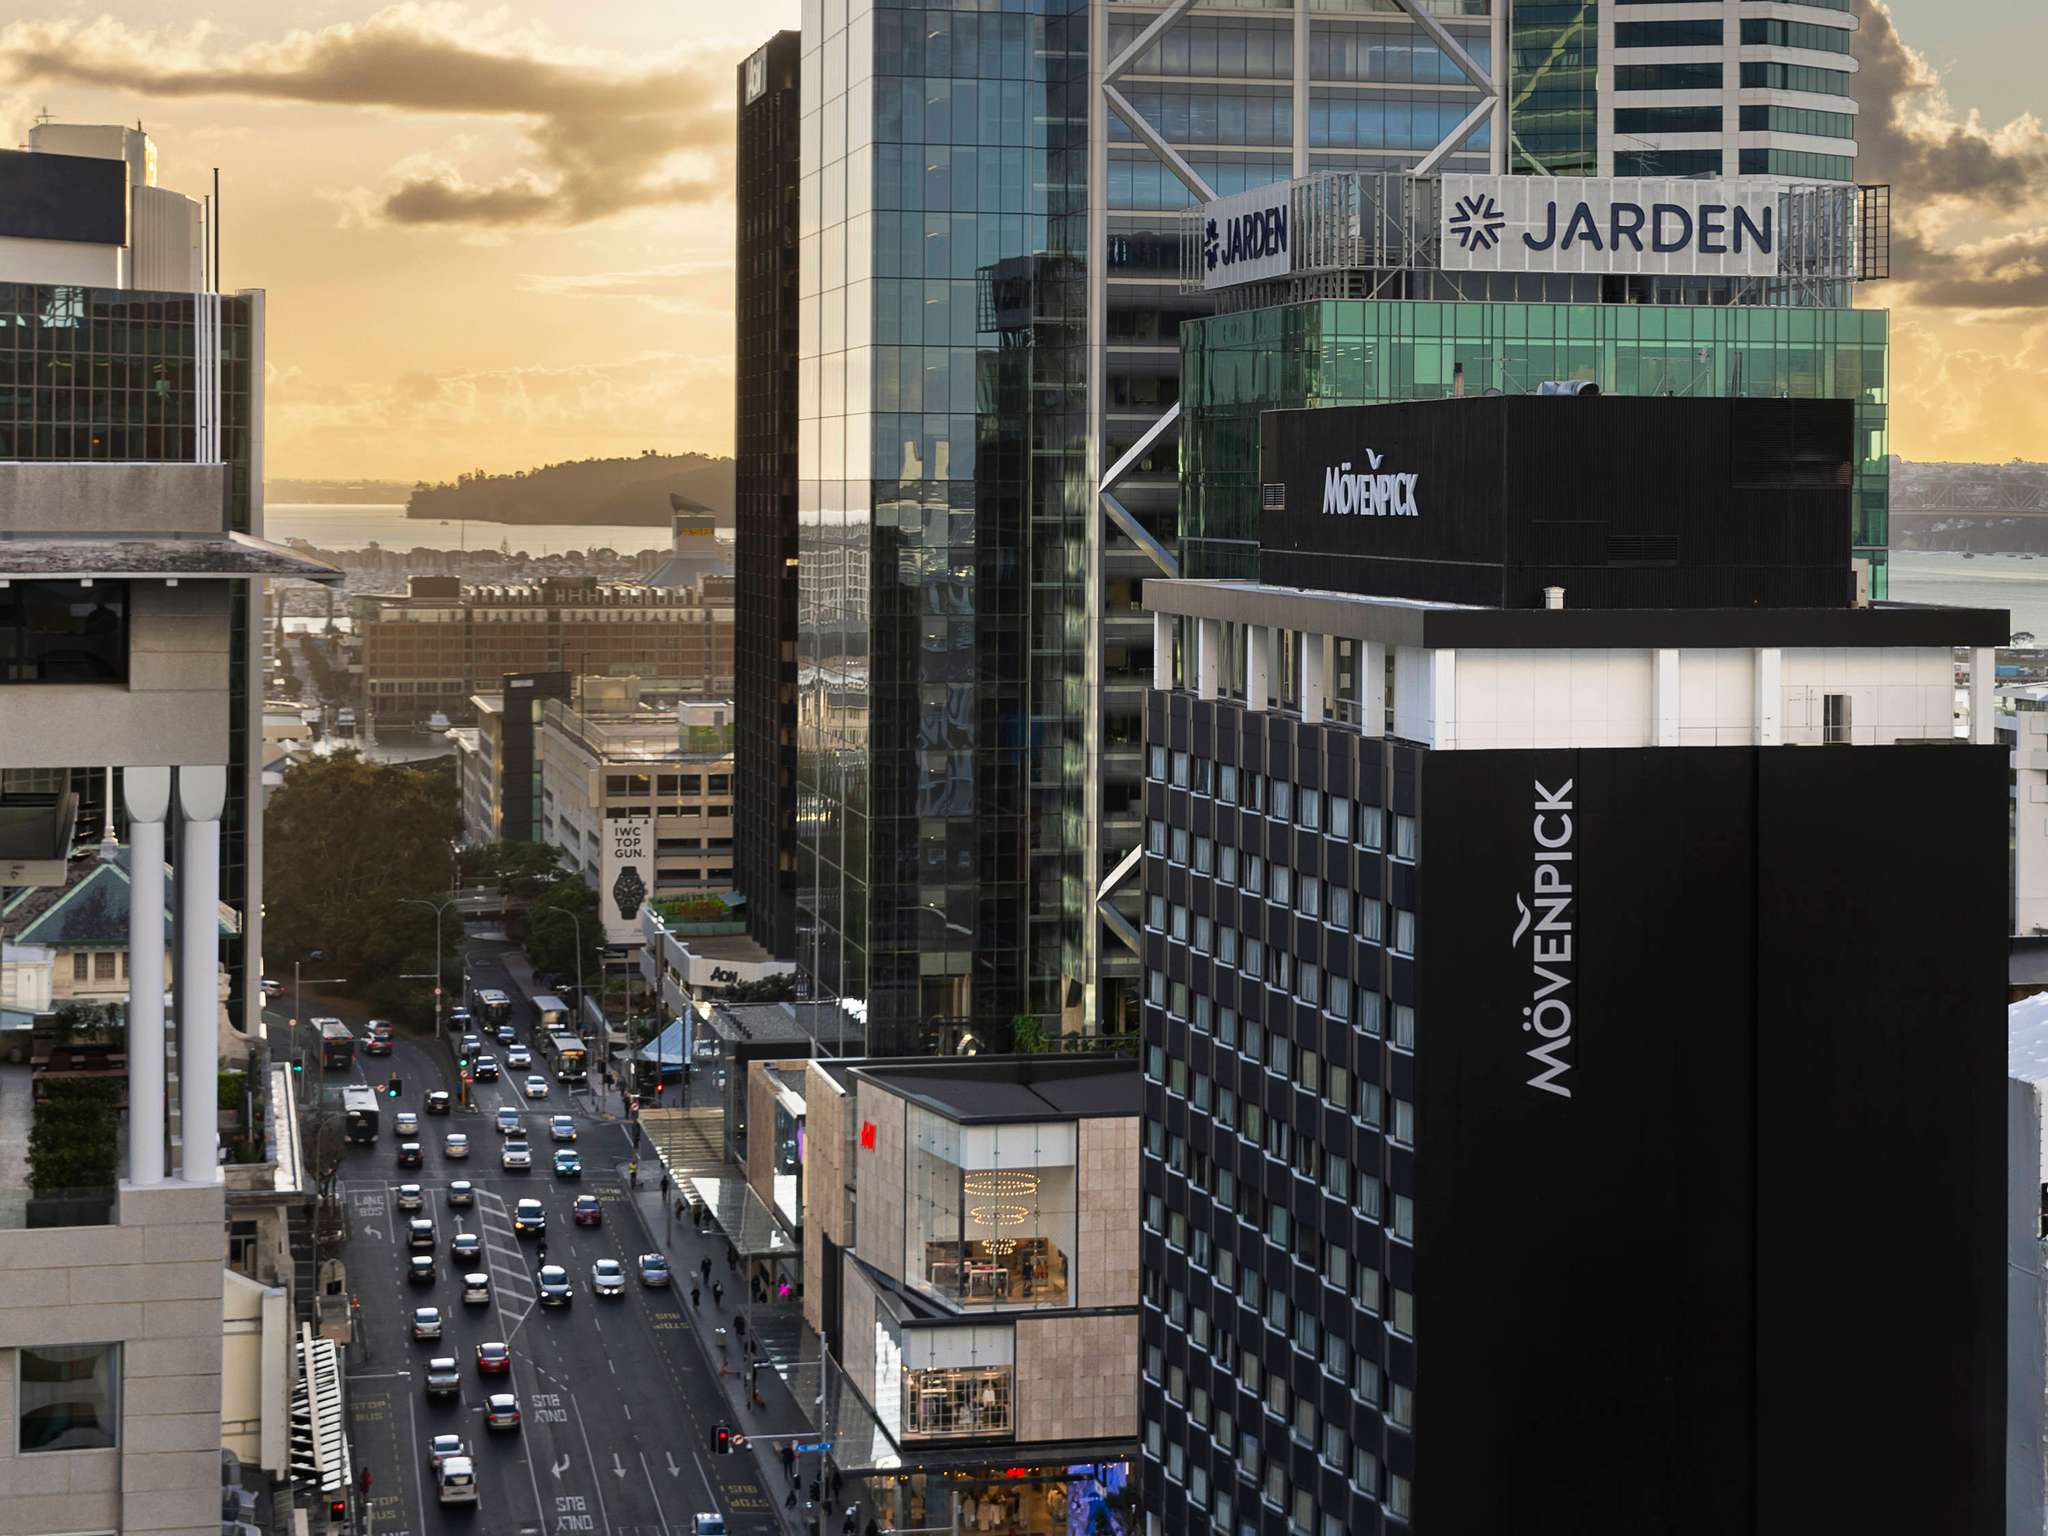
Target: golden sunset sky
{"type": "Point", "coordinates": [498, 236]}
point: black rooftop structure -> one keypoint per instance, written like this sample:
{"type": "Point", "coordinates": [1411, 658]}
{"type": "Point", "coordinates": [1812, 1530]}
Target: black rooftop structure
{"type": "Point", "coordinates": [1005, 1088]}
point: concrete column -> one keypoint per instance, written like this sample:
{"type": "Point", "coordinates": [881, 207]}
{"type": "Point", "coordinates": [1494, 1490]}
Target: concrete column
{"type": "Point", "coordinates": [1372, 688]}
{"type": "Point", "coordinates": [147, 795]}
{"type": "Point", "coordinates": [1770, 696]}
{"type": "Point", "coordinates": [1311, 674]}
{"type": "Point", "coordinates": [1208, 656]}
{"type": "Point", "coordinates": [1983, 695]}
{"type": "Point", "coordinates": [1443, 700]}
{"type": "Point", "coordinates": [1258, 666]}
{"type": "Point", "coordinates": [1664, 698]}
{"type": "Point", "coordinates": [1163, 625]}
{"type": "Point", "coordinates": [202, 792]}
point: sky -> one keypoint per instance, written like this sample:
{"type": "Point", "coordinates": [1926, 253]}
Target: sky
{"type": "Point", "coordinates": [494, 236]}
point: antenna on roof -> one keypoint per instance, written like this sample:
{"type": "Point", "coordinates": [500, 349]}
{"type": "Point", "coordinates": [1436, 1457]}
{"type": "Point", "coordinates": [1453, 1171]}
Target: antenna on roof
{"type": "Point", "coordinates": [44, 116]}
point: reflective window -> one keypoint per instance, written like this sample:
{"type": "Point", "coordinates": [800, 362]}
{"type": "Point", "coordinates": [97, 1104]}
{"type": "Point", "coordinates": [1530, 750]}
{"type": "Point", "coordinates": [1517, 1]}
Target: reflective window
{"type": "Point", "coordinates": [68, 1397]}
{"type": "Point", "coordinates": [64, 632]}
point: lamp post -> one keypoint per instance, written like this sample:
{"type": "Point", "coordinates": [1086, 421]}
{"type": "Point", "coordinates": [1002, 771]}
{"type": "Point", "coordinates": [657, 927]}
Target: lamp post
{"type": "Point", "coordinates": [440, 971]}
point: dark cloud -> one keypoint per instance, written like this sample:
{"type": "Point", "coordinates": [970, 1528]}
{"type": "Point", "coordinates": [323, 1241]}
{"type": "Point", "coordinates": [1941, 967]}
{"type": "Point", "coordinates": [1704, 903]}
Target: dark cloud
{"type": "Point", "coordinates": [2006, 272]}
{"type": "Point", "coordinates": [604, 140]}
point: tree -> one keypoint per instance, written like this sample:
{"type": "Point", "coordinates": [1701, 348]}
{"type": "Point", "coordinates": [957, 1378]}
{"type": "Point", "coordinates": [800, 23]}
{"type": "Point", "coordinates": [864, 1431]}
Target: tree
{"type": "Point", "coordinates": [73, 1145]}
{"type": "Point", "coordinates": [346, 844]}
{"type": "Point", "coordinates": [551, 935]}
{"type": "Point", "coordinates": [1027, 1035]}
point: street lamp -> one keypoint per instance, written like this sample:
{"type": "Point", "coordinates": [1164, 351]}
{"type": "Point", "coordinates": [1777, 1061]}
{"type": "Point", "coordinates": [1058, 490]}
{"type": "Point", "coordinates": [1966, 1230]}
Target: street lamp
{"type": "Point", "coordinates": [437, 908]}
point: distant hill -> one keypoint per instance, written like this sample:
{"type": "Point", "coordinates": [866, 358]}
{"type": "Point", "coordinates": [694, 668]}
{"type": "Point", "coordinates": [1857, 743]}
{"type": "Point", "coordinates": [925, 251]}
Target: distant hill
{"type": "Point", "coordinates": [337, 493]}
{"type": "Point", "coordinates": [633, 492]}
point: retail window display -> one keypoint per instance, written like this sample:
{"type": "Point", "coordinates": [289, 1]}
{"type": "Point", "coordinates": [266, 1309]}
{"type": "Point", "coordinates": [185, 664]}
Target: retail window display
{"type": "Point", "coordinates": [992, 1211]}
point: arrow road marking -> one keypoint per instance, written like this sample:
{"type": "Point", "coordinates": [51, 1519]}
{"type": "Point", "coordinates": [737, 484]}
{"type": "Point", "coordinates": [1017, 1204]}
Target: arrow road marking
{"type": "Point", "coordinates": [374, 1232]}
{"type": "Point", "coordinates": [673, 1469]}
{"type": "Point", "coordinates": [561, 1466]}
{"type": "Point", "coordinates": [618, 1466]}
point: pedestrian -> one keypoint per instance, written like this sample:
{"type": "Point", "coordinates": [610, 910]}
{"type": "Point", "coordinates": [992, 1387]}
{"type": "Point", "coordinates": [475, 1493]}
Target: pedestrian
{"type": "Point", "coordinates": [835, 1487]}
{"type": "Point", "coordinates": [788, 1460]}
{"type": "Point", "coordinates": [704, 1269]}
{"type": "Point", "coordinates": [815, 1490]}
{"type": "Point", "coordinates": [852, 1523]}
{"type": "Point", "coordinates": [790, 1501]}
{"type": "Point", "coordinates": [739, 1324]}
{"type": "Point", "coordinates": [696, 1300]}
{"type": "Point", "coordinates": [760, 1291]}
{"type": "Point", "coordinates": [717, 1293]}
{"type": "Point", "coordinates": [732, 1255]}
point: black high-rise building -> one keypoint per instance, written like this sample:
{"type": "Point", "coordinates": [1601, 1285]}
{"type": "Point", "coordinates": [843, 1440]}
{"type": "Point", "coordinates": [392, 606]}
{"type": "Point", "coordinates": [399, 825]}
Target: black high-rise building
{"type": "Point", "coordinates": [1574, 940]}
{"type": "Point", "coordinates": [765, 602]}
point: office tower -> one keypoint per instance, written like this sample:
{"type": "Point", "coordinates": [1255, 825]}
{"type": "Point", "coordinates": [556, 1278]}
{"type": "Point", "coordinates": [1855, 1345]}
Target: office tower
{"type": "Point", "coordinates": [1535, 1012]}
{"type": "Point", "coordinates": [1140, 114]}
{"type": "Point", "coordinates": [121, 349]}
{"type": "Point", "coordinates": [764, 492]}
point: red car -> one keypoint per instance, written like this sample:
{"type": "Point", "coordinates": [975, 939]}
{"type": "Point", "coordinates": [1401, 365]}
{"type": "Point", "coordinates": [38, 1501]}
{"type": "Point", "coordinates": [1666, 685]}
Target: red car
{"type": "Point", "coordinates": [588, 1212]}
{"type": "Point", "coordinates": [493, 1359]}
{"type": "Point", "coordinates": [377, 1045]}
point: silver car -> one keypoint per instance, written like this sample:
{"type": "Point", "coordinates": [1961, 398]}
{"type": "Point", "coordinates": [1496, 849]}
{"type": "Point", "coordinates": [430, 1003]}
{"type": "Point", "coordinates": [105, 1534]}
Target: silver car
{"type": "Point", "coordinates": [426, 1323]}
{"type": "Point", "coordinates": [608, 1277]}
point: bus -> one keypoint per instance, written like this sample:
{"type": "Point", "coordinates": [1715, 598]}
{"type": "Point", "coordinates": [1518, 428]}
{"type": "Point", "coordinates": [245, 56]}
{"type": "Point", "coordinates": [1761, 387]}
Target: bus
{"type": "Point", "coordinates": [492, 1006]}
{"type": "Point", "coordinates": [359, 1110]}
{"type": "Point", "coordinates": [337, 1045]}
{"type": "Point", "coordinates": [550, 1013]}
{"type": "Point", "coordinates": [567, 1054]}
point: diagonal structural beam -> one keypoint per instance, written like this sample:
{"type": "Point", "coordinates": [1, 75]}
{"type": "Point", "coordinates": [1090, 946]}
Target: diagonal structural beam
{"type": "Point", "coordinates": [1456, 136]}
{"type": "Point", "coordinates": [1150, 138]}
{"type": "Point", "coordinates": [1138, 450]}
{"type": "Point", "coordinates": [1453, 49]}
{"type": "Point", "coordinates": [1119, 925]}
{"type": "Point", "coordinates": [1135, 531]}
{"type": "Point", "coordinates": [1121, 873]}
{"type": "Point", "coordinates": [1145, 39]}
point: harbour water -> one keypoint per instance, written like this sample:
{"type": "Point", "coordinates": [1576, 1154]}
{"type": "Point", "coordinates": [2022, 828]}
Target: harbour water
{"type": "Point", "coordinates": [357, 527]}
{"type": "Point", "coordinates": [2012, 582]}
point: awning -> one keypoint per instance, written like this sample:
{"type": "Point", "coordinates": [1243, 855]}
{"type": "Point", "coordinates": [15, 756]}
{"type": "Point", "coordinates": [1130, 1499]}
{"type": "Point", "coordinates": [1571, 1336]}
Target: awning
{"type": "Point", "coordinates": [744, 1217]}
{"type": "Point", "coordinates": [56, 557]}
{"type": "Point", "coordinates": [319, 1419]}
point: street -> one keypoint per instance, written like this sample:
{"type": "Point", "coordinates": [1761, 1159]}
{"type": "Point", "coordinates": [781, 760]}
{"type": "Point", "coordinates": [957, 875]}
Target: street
{"type": "Point", "coordinates": [618, 1396]}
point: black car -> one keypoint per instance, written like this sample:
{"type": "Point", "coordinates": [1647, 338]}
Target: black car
{"type": "Point", "coordinates": [466, 1246]}
{"type": "Point", "coordinates": [409, 1155]}
{"type": "Point", "coordinates": [420, 1271]}
{"type": "Point", "coordinates": [440, 1102]}
{"type": "Point", "coordinates": [554, 1286]}
{"type": "Point", "coordinates": [486, 1069]}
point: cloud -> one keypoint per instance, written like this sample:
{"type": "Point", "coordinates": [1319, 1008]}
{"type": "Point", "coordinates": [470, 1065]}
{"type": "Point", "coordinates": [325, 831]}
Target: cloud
{"type": "Point", "coordinates": [604, 140]}
{"type": "Point", "coordinates": [1910, 135]}
{"type": "Point", "coordinates": [1970, 403]}
{"type": "Point", "coordinates": [2004, 272]}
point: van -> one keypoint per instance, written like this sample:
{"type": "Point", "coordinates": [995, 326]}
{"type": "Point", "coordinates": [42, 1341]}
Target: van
{"type": "Point", "coordinates": [456, 1477]}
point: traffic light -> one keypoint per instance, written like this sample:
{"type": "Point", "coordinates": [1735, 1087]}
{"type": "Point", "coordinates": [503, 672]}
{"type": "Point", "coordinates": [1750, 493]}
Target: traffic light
{"type": "Point", "coordinates": [392, 1085]}
{"type": "Point", "coordinates": [337, 1511]}
{"type": "Point", "coordinates": [721, 1440]}
{"type": "Point", "coordinates": [298, 1063]}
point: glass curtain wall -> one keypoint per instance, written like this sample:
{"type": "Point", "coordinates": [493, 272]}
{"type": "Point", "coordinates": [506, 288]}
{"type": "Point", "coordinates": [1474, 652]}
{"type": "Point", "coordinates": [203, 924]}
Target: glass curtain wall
{"type": "Point", "coordinates": [1364, 353]}
{"type": "Point", "coordinates": [1554, 88]}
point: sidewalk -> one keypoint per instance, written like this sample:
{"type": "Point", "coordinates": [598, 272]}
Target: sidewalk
{"type": "Point", "coordinates": [790, 1349]}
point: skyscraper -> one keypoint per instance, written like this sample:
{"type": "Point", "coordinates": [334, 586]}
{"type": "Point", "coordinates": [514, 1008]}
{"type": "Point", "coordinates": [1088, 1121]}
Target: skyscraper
{"type": "Point", "coordinates": [764, 493]}
{"type": "Point", "coordinates": [976, 863]}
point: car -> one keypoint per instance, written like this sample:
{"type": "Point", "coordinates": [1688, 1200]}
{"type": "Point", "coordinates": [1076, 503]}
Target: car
{"type": "Point", "coordinates": [410, 1197]}
{"type": "Point", "coordinates": [501, 1411]}
{"type": "Point", "coordinates": [271, 988]}
{"type": "Point", "coordinates": [440, 1102]}
{"type": "Point", "coordinates": [419, 1269]}
{"type": "Point", "coordinates": [426, 1322]}
{"type": "Point", "coordinates": [419, 1233]}
{"type": "Point", "coordinates": [466, 1248]}
{"type": "Point", "coordinates": [376, 1045]}
{"type": "Point", "coordinates": [441, 1447]}
{"type": "Point", "coordinates": [707, 1525]}
{"type": "Point", "coordinates": [508, 1121]}
{"type": "Point", "coordinates": [536, 1086]}
{"type": "Point", "coordinates": [494, 1359]}
{"type": "Point", "coordinates": [554, 1285]}
{"type": "Point", "coordinates": [518, 1058]}
{"type": "Point", "coordinates": [588, 1211]}
{"type": "Point", "coordinates": [486, 1069]}
{"type": "Point", "coordinates": [476, 1289]}
{"type": "Point", "coordinates": [568, 1165]}
{"type": "Point", "coordinates": [455, 1481]}
{"type": "Point", "coordinates": [654, 1270]}
{"type": "Point", "coordinates": [561, 1128]}
{"type": "Point", "coordinates": [529, 1219]}
{"type": "Point", "coordinates": [471, 1045]}
{"type": "Point", "coordinates": [608, 1277]}
{"type": "Point", "coordinates": [461, 1192]}
{"type": "Point", "coordinates": [456, 1145]}
{"type": "Point", "coordinates": [409, 1155]}
{"type": "Point", "coordinates": [507, 1034]}
{"type": "Point", "coordinates": [444, 1377]}
{"type": "Point", "coordinates": [458, 1018]}
{"type": "Point", "coordinates": [406, 1123]}
{"type": "Point", "coordinates": [383, 1027]}
{"type": "Point", "coordinates": [515, 1154]}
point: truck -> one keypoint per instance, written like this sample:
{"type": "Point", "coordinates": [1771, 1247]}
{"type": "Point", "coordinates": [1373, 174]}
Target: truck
{"type": "Point", "coordinates": [550, 1014]}
{"type": "Point", "coordinates": [337, 1045]}
{"type": "Point", "coordinates": [567, 1054]}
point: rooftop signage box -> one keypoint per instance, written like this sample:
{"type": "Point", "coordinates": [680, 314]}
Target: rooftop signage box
{"type": "Point", "coordinates": [1723, 228]}
{"type": "Point", "coordinates": [1245, 237]}
{"type": "Point", "coordinates": [1626, 502]}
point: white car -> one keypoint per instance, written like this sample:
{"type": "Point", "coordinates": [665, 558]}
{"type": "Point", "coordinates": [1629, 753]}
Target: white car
{"type": "Point", "coordinates": [444, 1446]}
{"type": "Point", "coordinates": [426, 1322]}
{"type": "Point", "coordinates": [457, 1144]}
{"type": "Point", "coordinates": [476, 1289]}
{"type": "Point", "coordinates": [536, 1086]}
{"type": "Point", "coordinates": [608, 1277]}
{"type": "Point", "coordinates": [508, 1121]}
{"type": "Point", "coordinates": [516, 1154]}
{"type": "Point", "coordinates": [518, 1058]}
{"type": "Point", "coordinates": [456, 1479]}
{"type": "Point", "coordinates": [410, 1197]}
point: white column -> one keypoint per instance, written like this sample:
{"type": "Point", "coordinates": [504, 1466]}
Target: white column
{"type": "Point", "coordinates": [1208, 656]}
{"type": "Point", "coordinates": [201, 794]}
{"type": "Point", "coordinates": [147, 795]}
{"type": "Point", "coordinates": [1443, 699]}
{"type": "Point", "coordinates": [1311, 674]}
{"type": "Point", "coordinates": [1664, 698]}
{"type": "Point", "coordinates": [1258, 666]}
{"type": "Point", "coordinates": [1163, 625]}
{"type": "Point", "coordinates": [1372, 688]}
{"type": "Point", "coordinates": [1770, 696]}
{"type": "Point", "coordinates": [1983, 695]}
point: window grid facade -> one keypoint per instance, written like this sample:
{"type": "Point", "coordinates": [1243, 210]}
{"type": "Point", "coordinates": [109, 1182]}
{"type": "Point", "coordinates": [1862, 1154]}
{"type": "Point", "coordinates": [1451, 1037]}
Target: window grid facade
{"type": "Point", "coordinates": [1276, 1176]}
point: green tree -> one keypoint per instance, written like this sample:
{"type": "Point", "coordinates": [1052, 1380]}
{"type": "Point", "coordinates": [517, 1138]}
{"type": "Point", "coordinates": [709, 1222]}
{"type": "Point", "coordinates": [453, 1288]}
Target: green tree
{"type": "Point", "coordinates": [73, 1145]}
{"type": "Point", "coordinates": [551, 933]}
{"type": "Point", "coordinates": [346, 844]}
{"type": "Point", "coordinates": [1028, 1036]}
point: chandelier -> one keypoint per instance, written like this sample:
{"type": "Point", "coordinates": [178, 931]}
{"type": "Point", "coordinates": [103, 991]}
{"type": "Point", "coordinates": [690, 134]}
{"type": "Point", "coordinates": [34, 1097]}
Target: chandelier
{"type": "Point", "coordinates": [1014, 1183]}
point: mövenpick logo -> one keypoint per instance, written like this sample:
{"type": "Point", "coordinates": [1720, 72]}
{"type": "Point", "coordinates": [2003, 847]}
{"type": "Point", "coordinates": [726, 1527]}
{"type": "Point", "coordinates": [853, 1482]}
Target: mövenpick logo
{"type": "Point", "coordinates": [1549, 931]}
